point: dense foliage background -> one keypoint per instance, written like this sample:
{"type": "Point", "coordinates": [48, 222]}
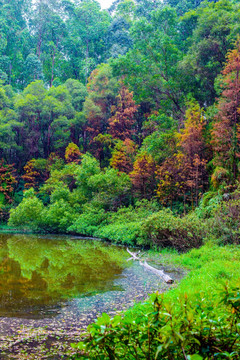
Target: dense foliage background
{"type": "Point", "coordinates": [124, 124]}
{"type": "Point", "coordinates": [107, 117]}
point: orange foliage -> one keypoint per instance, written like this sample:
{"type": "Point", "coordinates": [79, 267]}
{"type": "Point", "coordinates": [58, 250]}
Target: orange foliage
{"type": "Point", "coordinates": [7, 180]}
{"type": "Point", "coordinates": [34, 174]}
{"type": "Point", "coordinates": [226, 130]}
{"type": "Point", "coordinates": [143, 175]}
{"type": "Point", "coordinates": [171, 175]}
{"type": "Point", "coordinates": [123, 156]}
{"type": "Point", "coordinates": [185, 173]}
{"type": "Point", "coordinates": [53, 157]}
{"type": "Point", "coordinates": [101, 96]}
{"type": "Point", "coordinates": [72, 153]}
{"type": "Point", "coordinates": [121, 124]}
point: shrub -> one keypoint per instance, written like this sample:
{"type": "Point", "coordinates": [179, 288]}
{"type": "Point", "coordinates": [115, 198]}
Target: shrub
{"type": "Point", "coordinates": [122, 226]}
{"type": "Point", "coordinates": [127, 233]}
{"type": "Point", "coordinates": [164, 229]}
{"type": "Point", "coordinates": [58, 216]}
{"type": "Point", "coordinates": [220, 176]}
{"type": "Point", "coordinates": [226, 222]}
{"type": "Point", "coordinates": [208, 205]}
{"type": "Point", "coordinates": [29, 213]}
{"type": "Point", "coordinates": [194, 328]}
{"type": "Point", "coordinates": [88, 222]}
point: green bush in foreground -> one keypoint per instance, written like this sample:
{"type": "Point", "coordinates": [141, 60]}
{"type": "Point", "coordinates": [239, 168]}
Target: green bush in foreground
{"type": "Point", "coordinates": [200, 319]}
{"type": "Point", "coordinates": [190, 330]}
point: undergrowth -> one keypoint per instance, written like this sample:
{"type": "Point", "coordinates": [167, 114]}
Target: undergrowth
{"type": "Point", "coordinates": [199, 319]}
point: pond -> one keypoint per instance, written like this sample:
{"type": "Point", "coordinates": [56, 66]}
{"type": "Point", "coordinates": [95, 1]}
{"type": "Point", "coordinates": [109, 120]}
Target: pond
{"type": "Point", "coordinates": [61, 283]}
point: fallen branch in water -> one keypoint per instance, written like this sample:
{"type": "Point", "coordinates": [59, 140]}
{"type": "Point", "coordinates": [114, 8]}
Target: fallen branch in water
{"type": "Point", "coordinates": [160, 273]}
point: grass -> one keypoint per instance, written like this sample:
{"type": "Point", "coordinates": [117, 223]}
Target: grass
{"type": "Point", "coordinates": [198, 319]}
{"type": "Point", "coordinates": [210, 268]}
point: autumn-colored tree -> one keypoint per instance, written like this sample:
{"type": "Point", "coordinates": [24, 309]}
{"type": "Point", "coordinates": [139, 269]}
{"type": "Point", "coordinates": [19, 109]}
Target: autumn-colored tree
{"type": "Point", "coordinates": [121, 124]}
{"type": "Point", "coordinates": [35, 173]}
{"type": "Point", "coordinates": [72, 153]}
{"type": "Point", "coordinates": [184, 174]}
{"type": "Point", "coordinates": [143, 175]}
{"type": "Point", "coordinates": [7, 181]}
{"type": "Point", "coordinates": [226, 129]}
{"type": "Point", "coordinates": [102, 90]}
{"type": "Point", "coordinates": [123, 156]}
{"type": "Point", "coordinates": [191, 144]}
{"type": "Point", "coordinates": [171, 179]}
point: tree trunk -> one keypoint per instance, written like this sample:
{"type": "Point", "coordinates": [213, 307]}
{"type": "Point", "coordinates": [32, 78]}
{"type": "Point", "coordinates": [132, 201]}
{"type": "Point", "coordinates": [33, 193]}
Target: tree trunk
{"type": "Point", "coordinates": [160, 273]}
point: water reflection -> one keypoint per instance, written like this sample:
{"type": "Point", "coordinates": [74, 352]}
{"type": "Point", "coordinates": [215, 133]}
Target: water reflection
{"type": "Point", "coordinates": [38, 275]}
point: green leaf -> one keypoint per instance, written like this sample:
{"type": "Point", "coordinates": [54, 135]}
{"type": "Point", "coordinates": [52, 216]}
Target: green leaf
{"type": "Point", "coordinates": [194, 357]}
{"type": "Point", "coordinates": [159, 349]}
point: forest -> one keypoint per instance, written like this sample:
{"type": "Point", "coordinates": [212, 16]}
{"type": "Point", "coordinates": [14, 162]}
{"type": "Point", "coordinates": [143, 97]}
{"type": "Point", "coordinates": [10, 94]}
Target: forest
{"type": "Point", "coordinates": [124, 124]}
{"type": "Point", "coordinates": [101, 110]}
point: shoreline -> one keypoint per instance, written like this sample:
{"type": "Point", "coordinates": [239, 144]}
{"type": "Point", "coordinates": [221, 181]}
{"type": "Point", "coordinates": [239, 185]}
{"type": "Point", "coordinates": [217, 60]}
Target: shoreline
{"type": "Point", "coordinates": [20, 335]}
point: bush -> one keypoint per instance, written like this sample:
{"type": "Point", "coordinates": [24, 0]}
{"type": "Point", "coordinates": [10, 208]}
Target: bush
{"type": "Point", "coordinates": [58, 216]}
{"type": "Point", "coordinates": [226, 223]}
{"type": "Point", "coordinates": [29, 213]}
{"type": "Point", "coordinates": [122, 226]}
{"type": "Point", "coordinates": [89, 222]}
{"type": "Point", "coordinates": [166, 230]}
{"type": "Point", "coordinates": [127, 233]}
{"type": "Point", "coordinates": [194, 328]}
{"type": "Point", "coordinates": [208, 205]}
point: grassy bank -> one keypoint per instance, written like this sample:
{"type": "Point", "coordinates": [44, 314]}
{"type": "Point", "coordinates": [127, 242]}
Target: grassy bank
{"type": "Point", "coordinates": [199, 319]}
{"type": "Point", "coordinates": [143, 225]}
{"type": "Point", "coordinates": [5, 228]}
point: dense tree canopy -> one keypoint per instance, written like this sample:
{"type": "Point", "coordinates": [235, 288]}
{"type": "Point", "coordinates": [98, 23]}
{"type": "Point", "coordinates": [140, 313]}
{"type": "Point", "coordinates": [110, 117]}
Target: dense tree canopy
{"type": "Point", "coordinates": [138, 101]}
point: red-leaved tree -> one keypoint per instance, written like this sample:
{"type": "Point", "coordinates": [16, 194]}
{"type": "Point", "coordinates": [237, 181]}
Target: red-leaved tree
{"type": "Point", "coordinates": [72, 153]}
{"type": "Point", "coordinates": [143, 176]}
{"type": "Point", "coordinates": [123, 156]}
{"type": "Point", "coordinates": [7, 181]}
{"type": "Point", "coordinates": [121, 124]}
{"type": "Point", "coordinates": [184, 174]}
{"type": "Point", "coordinates": [226, 129]}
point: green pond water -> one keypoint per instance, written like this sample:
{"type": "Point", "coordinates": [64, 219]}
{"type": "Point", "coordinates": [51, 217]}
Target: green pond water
{"type": "Point", "coordinates": [59, 282]}
{"type": "Point", "coordinates": [38, 274]}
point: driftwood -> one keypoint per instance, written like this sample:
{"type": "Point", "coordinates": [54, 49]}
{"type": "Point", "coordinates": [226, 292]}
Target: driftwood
{"type": "Point", "coordinates": [160, 273]}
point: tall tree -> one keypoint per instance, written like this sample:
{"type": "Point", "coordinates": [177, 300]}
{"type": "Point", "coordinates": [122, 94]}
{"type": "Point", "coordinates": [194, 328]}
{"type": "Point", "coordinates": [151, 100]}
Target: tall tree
{"type": "Point", "coordinates": [9, 126]}
{"type": "Point", "coordinates": [45, 115]}
{"type": "Point", "coordinates": [226, 129]}
{"type": "Point", "coordinates": [35, 173]}
{"type": "Point", "coordinates": [123, 156]}
{"type": "Point", "coordinates": [215, 28]}
{"type": "Point", "coordinates": [15, 41]}
{"type": "Point", "coordinates": [48, 30]}
{"type": "Point", "coordinates": [184, 175]}
{"type": "Point", "coordinates": [192, 145]}
{"type": "Point", "coordinates": [87, 28]}
{"type": "Point", "coordinates": [72, 153]}
{"type": "Point", "coordinates": [102, 89]}
{"type": "Point", "coordinates": [121, 124]}
{"type": "Point", "coordinates": [150, 68]}
{"type": "Point", "coordinates": [143, 176]}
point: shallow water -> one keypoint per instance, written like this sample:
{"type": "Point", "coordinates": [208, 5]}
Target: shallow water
{"type": "Point", "coordinates": [39, 275]}
{"type": "Point", "coordinates": [61, 283]}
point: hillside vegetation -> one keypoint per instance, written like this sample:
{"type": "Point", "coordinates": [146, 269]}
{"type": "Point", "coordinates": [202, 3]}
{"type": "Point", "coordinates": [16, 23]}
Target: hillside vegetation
{"type": "Point", "coordinates": [124, 124]}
